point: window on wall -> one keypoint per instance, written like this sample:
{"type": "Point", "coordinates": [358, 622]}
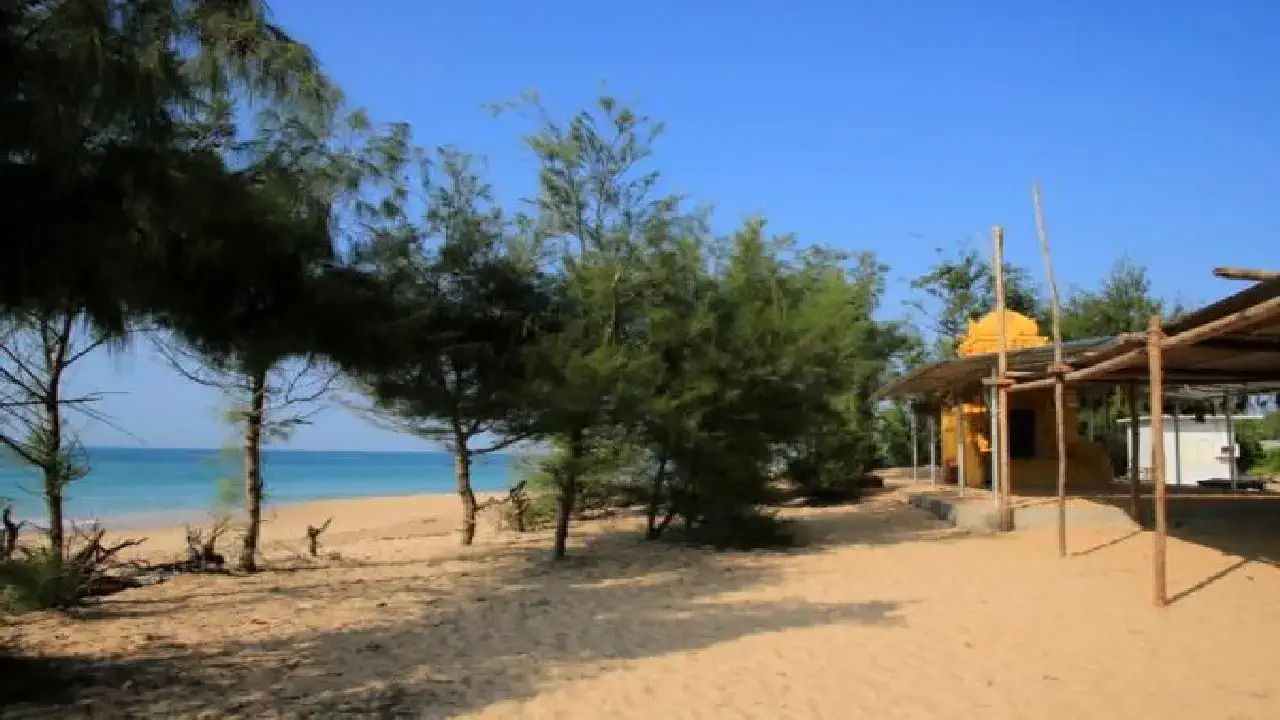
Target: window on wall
{"type": "Point", "coordinates": [1022, 434]}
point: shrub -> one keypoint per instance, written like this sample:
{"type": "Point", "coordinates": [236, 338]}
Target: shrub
{"type": "Point", "coordinates": [1268, 464]}
{"type": "Point", "coordinates": [743, 529]}
{"type": "Point", "coordinates": [529, 515]}
{"type": "Point", "coordinates": [40, 580]}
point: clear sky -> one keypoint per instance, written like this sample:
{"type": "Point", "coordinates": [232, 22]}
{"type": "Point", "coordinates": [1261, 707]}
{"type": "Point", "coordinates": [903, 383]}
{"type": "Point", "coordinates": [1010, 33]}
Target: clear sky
{"type": "Point", "coordinates": [895, 126]}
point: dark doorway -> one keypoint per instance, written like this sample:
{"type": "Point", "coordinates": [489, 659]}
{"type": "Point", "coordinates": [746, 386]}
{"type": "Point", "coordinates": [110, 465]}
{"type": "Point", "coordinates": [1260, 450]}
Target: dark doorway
{"type": "Point", "coordinates": [1022, 434]}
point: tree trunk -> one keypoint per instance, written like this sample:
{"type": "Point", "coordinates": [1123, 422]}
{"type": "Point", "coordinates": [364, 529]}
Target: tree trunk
{"type": "Point", "coordinates": [253, 472]}
{"type": "Point", "coordinates": [463, 458]}
{"type": "Point", "coordinates": [54, 466]}
{"type": "Point", "coordinates": [53, 500]}
{"type": "Point", "coordinates": [567, 495]}
{"type": "Point", "coordinates": [652, 530]}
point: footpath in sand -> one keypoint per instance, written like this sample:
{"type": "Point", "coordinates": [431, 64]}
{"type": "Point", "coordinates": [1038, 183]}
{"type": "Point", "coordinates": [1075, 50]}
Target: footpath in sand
{"type": "Point", "coordinates": [886, 614]}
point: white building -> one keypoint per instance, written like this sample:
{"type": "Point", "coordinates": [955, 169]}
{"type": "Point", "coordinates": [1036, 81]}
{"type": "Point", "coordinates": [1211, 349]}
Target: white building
{"type": "Point", "coordinates": [1194, 449]}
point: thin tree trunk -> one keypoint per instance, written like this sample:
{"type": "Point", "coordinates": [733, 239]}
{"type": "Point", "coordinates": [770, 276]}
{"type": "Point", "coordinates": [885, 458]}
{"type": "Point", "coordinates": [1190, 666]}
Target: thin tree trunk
{"type": "Point", "coordinates": [568, 493]}
{"type": "Point", "coordinates": [652, 531]}
{"type": "Point", "coordinates": [53, 500]}
{"type": "Point", "coordinates": [253, 472]}
{"type": "Point", "coordinates": [462, 457]}
{"type": "Point", "coordinates": [54, 467]}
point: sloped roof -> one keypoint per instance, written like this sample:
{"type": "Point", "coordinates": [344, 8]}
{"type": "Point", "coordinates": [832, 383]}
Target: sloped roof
{"type": "Point", "coordinates": [1245, 359]}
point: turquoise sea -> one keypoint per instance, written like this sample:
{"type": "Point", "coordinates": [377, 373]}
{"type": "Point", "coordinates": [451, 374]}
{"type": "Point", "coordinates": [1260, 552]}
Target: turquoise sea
{"type": "Point", "coordinates": [156, 483]}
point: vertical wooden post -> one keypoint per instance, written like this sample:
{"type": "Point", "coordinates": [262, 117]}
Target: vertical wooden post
{"type": "Point", "coordinates": [1002, 380]}
{"type": "Point", "coordinates": [960, 438]}
{"type": "Point", "coordinates": [1155, 364]}
{"type": "Point", "coordinates": [1059, 390]}
{"type": "Point", "coordinates": [1135, 441]}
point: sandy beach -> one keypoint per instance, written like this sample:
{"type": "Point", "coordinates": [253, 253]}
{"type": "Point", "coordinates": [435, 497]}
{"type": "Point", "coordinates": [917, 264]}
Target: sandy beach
{"type": "Point", "coordinates": [885, 613]}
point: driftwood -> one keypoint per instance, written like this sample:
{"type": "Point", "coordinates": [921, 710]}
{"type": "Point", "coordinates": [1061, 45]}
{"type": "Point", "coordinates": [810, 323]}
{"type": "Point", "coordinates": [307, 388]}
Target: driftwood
{"type": "Point", "coordinates": [9, 535]}
{"type": "Point", "coordinates": [313, 537]}
{"type": "Point", "coordinates": [519, 501]}
{"type": "Point", "coordinates": [202, 550]}
{"type": "Point", "coordinates": [98, 565]}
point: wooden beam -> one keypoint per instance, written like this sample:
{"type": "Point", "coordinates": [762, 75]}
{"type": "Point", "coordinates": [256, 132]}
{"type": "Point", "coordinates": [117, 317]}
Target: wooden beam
{"type": "Point", "coordinates": [1155, 364]}
{"type": "Point", "coordinates": [1252, 316]}
{"type": "Point", "coordinates": [1237, 273]}
{"type": "Point", "coordinates": [1199, 377]}
{"type": "Point", "coordinates": [1238, 343]}
{"type": "Point", "coordinates": [1059, 381]}
{"type": "Point", "coordinates": [1236, 321]}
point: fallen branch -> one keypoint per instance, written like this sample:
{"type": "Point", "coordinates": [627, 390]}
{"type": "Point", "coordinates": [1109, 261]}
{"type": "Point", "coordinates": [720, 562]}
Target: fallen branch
{"type": "Point", "coordinates": [202, 551]}
{"type": "Point", "coordinates": [313, 537]}
{"type": "Point", "coordinates": [96, 564]}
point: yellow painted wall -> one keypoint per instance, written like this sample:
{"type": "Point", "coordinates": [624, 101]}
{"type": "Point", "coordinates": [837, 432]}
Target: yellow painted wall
{"type": "Point", "coordinates": [1088, 466]}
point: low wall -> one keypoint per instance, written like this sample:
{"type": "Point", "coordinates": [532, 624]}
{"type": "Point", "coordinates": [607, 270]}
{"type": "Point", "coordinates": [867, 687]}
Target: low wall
{"type": "Point", "coordinates": [981, 515]}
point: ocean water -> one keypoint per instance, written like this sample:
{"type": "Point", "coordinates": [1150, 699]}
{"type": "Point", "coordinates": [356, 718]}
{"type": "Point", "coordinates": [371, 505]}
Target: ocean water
{"type": "Point", "coordinates": [130, 482]}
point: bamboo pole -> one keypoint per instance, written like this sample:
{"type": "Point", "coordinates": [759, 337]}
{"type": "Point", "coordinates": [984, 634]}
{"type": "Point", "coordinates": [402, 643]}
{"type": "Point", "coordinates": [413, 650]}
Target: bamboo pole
{"type": "Point", "coordinates": [1135, 439]}
{"type": "Point", "coordinates": [1158, 555]}
{"type": "Point", "coordinates": [1002, 387]}
{"type": "Point", "coordinates": [1059, 390]}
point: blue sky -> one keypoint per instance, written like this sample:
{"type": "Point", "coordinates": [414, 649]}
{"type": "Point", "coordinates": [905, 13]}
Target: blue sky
{"type": "Point", "coordinates": [899, 127]}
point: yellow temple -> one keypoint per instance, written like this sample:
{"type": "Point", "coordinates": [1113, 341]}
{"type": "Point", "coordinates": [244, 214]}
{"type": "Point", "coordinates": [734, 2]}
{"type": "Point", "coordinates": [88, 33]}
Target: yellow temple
{"type": "Point", "coordinates": [1033, 462]}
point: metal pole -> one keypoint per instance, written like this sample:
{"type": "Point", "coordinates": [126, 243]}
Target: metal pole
{"type": "Point", "coordinates": [1135, 449]}
{"type": "Point", "coordinates": [992, 400]}
{"type": "Point", "coordinates": [1177, 446]}
{"type": "Point", "coordinates": [915, 446]}
{"type": "Point", "coordinates": [933, 450]}
{"type": "Point", "coordinates": [1228, 401]}
{"type": "Point", "coordinates": [960, 437]}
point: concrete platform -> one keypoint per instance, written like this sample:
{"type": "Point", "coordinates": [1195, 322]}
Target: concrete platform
{"type": "Point", "coordinates": [980, 514]}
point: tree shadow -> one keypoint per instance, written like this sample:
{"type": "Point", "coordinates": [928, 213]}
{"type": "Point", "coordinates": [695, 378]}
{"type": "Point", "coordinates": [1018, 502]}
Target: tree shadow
{"type": "Point", "coordinates": [885, 522]}
{"type": "Point", "coordinates": [499, 628]}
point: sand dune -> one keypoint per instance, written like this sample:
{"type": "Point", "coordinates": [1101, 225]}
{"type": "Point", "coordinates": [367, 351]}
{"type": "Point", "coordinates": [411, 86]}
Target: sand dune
{"type": "Point", "coordinates": [885, 614]}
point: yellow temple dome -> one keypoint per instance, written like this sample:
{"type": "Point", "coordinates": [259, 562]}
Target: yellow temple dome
{"type": "Point", "coordinates": [983, 335]}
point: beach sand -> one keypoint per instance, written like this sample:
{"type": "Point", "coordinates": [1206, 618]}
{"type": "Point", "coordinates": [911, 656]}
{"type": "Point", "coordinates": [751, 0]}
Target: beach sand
{"type": "Point", "coordinates": [886, 614]}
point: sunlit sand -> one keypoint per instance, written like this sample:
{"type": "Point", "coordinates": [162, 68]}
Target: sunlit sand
{"type": "Point", "coordinates": [885, 614]}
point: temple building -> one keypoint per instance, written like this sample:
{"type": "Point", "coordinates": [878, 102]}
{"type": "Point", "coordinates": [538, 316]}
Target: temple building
{"type": "Point", "coordinates": [1032, 442]}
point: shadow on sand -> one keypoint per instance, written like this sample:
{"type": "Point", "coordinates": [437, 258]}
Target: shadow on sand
{"type": "Point", "coordinates": [495, 630]}
{"type": "Point", "coordinates": [1245, 526]}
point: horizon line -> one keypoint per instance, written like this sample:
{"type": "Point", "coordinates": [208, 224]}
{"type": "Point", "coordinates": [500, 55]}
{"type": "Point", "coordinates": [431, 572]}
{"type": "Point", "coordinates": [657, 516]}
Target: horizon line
{"type": "Point", "coordinates": [504, 451]}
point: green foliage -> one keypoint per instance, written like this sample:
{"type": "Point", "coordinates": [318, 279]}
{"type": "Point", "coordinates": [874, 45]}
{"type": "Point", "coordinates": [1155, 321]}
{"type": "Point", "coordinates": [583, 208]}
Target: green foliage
{"type": "Point", "coordinates": [1123, 303]}
{"type": "Point", "coordinates": [893, 428]}
{"type": "Point", "coordinates": [228, 494]}
{"type": "Point", "coordinates": [1268, 465]}
{"type": "Point", "coordinates": [1249, 435]}
{"type": "Point", "coordinates": [39, 579]}
{"type": "Point", "coordinates": [961, 287]}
